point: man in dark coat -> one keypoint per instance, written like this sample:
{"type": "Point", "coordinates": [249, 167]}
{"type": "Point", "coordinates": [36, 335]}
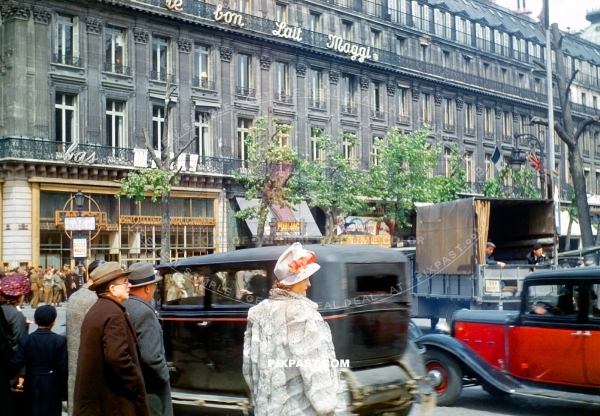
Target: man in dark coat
{"type": "Point", "coordinates": [109, 378]}
{"type": "Point", "coordinates": [45, 354]}
{"type": "Point", "coordinates": [150, 338]}
{"type": "Point", "coordinates": [6, 353]}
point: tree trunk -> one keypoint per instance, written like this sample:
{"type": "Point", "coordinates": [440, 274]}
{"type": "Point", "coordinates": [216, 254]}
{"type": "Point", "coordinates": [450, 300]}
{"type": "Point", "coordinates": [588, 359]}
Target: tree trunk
{"type": "Point", "coordinates": [568, 238]}
{"type": "Point", "coordinates": [165, 231]}
{"type": "Point", "coordinates": [581, 202]}
{"type": "Point", "coordinates": [263, 212]}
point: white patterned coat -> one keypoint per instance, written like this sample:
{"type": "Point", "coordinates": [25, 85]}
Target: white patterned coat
{"type": "Point", "coordinates": [287, 327]}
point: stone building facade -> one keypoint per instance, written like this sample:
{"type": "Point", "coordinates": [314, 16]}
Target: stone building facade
{"type": "Point", "coordinates": [81, 80]}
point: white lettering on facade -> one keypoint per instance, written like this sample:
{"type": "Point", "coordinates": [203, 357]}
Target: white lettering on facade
{"type": "Point", "coordinates": [70, 155]}
{"type": "Point", "coordinates": [233, 19]}
{"type": "Point", "coordinates": [174, 5]}
{"type": "Point", "coordinates": [360, 53]}
{"type": "Point", "coordinates": [287, 32]}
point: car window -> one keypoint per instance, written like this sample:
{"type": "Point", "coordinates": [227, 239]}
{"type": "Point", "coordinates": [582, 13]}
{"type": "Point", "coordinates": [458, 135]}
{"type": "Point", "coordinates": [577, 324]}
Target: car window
{"type": "Point", "coordinates": [376, 285]}
{"type": "Point", "coordinates": [186, 288]}
{"type": "Point", "coordinates": [593, 308]}
{"type": "Point", "coordinates": [553, 301]}
{"type": "Point", "coordinates": [239, 286]}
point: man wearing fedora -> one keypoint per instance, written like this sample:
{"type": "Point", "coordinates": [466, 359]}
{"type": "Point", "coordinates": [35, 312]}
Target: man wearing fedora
{"type": "Point", "coordinates": [150, 337]}
{"type": "Point", "coordinates": [109, 378]}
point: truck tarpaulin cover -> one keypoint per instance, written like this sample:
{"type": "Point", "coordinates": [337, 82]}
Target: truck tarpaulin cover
{"type": "Point", "coordinates": [445, 238]}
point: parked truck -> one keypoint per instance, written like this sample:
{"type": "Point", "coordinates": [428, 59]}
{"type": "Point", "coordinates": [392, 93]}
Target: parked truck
{"type": "Point", "coordinates": [449, 269]}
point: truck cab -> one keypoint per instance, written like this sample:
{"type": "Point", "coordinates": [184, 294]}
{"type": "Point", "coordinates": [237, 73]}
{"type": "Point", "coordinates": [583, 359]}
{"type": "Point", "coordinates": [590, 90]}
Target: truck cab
{"type": "Point", "coordinates": [550, 343]}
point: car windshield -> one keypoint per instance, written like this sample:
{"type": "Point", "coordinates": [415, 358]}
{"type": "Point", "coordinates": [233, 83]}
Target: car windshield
{"type": "Point", "coordinates": [553, 300]}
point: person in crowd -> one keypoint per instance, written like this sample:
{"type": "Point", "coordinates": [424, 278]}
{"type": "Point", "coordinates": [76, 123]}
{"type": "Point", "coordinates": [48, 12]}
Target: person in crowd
{"type": "Point", "coordinates": [580, 263]}
{"type": "Point", "coordinates": [71, 281]}
{"type": "Point", "coordinates": [79, 304]}
{"type": "Point", "coordinates": [150, 337]}
{"type": "Point", "coordinates": [13, 289]}
{"type": "Point", "coordinates": [536, 256]}
{"type": "Point", "coordinates": [44, 354]}
{"type": "Point", "coordinates": [58, 288]}
{"type": "Point", "coordinates": [489, 260]}
{"type": "Point", "coordinates": [109, 374]}
{"type": "Point", "coordinates": [287, 326]}
{"type": "Point", "coordinates": [48, 281]}
{"type": "Point", "coordinates": [6, 354]}
{"type": "Point", "coordinates": [35, 282]}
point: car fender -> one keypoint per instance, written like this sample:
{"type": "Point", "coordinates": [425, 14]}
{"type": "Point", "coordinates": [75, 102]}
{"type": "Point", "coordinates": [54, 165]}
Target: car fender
{"type": "Point", "coordinates": [470, 361]}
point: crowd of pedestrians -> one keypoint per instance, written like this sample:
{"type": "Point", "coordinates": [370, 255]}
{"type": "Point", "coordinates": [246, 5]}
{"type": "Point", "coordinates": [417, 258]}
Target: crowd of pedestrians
{"type": "Point", "coordinates": [112, 360]}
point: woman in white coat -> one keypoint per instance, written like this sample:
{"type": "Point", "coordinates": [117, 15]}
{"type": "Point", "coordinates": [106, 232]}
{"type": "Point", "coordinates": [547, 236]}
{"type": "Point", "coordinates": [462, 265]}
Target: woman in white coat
{"type": "Point", "coordinates": [286, 329]}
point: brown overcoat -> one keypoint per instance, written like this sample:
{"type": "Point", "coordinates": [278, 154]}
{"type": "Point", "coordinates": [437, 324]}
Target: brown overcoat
{"type": "Point", "coordinates": [109, 378]}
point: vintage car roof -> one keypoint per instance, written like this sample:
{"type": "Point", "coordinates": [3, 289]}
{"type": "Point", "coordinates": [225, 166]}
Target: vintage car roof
{"type": "Point", "coordinates": [592, 272]}
{"type": "Point", "coordinates": [325, 252]}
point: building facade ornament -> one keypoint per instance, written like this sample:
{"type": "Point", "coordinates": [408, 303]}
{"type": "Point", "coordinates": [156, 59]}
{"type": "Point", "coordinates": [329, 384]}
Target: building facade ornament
{"type": "Point", "coordinates": [334, 77]}
{"type": "Point", "coordinates": [226, 53]}
{"type": "Point", "coordinates": [14, 10]}
{"type": "Point", "coordinates": [301, 70]}
{"type": "Point", "coordinates": [265, 62]}
{"type": "Point", "coordinates": [416, 93]}
{"type": "Point", "coordinates": [479, 108]}
{"type": "Point", "coordinates": [437, 98]}
{"type": "Point", "coordinates": [364, 83]}
{"type": "Point", "coordinates": [459, 104]}
{"type": "Point", "coordinates": [184, 45]}
{"type": "Point", "coordinates": [498, 113]}
{"type": "Point", "coordinates": [391, 89]}
{"type": "Point", "coordinates": [93, 25]}
{"type": "Point", "coordinates": [41, 15]}
{"type": "Point", "coordinates": [140, 35]}
{"type": "Point", "coordinates": [515, 116]}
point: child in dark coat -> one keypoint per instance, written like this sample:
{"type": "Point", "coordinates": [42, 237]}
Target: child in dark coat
{"type": "Point", "coordinates": [45, 354]}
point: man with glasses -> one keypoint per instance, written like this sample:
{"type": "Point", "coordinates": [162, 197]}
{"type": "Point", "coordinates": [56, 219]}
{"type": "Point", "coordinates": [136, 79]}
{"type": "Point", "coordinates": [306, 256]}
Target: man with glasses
{"type": "Point", "coordinates": [150, 337]}
{"type": "Point", "coordinates": [109, 375]}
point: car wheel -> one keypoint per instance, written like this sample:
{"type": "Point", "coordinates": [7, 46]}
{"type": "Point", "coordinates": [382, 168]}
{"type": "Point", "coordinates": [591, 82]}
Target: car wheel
{"type": "Point", "coordinates": [445, 375]}
{"type": "Point", "coordinates": [493, 391]}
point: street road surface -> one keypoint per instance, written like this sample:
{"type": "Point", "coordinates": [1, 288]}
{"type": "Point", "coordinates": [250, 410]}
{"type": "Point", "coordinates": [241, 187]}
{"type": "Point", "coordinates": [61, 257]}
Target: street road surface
{"type": "Point", "coordinates": [473, 400]}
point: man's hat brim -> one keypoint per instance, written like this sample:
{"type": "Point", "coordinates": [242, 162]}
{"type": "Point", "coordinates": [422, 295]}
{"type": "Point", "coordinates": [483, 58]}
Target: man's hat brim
{"type": "Point", "coordinates": [108, 278]}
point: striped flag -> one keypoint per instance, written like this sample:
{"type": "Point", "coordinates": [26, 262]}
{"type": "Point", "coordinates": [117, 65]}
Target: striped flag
{"type": "Point", "coordinates": [535, 162]}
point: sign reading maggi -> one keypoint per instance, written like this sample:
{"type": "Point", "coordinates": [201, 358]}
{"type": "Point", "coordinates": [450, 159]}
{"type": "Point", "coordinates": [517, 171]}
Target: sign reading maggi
{"type": "Point", "coordinates": [175, 221]}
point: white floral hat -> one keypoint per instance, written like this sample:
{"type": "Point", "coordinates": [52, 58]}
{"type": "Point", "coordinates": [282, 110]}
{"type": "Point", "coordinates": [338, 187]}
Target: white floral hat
{"type": "Point", "coordinates": [295, 265]}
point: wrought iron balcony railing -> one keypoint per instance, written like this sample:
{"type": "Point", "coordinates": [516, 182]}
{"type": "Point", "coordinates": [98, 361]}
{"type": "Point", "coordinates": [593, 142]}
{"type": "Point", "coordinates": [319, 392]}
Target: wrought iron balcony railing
{"type": "Point", "coordinates": [507, 138]}
{"type": "Point", "coordinates": [162, 76]}
{"type": "Point", "coordinates": [469, 131]}
{"type": "Point", "coordinates": [349, 109]}
{"type": "Point", "coordinates": [283, 97]}
{"type": "Point", "coordinates": [489, 134]}
{"type": "Point", "coordinates": [246, 92]}
{"type": "Point", "coordinates": [203, 82]}
{"type": "Point", "coordinates": [449, 127]}
{"type": "Point", "coordinates": [18, 148]}
{"type": "Point", "coordinates": [67, 60]}
{"type": "Point", "coordinates": [117, 68]}
{"type": "Point", "coordinates": [322, 105]}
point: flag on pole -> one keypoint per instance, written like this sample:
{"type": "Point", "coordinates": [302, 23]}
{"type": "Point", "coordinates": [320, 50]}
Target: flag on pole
{"type": "Point", "coordinates": [497, 158]}
{"type": "Point", "coordinates": [544, 17]}
{"type": "Point", "coordinates": [535, 162]}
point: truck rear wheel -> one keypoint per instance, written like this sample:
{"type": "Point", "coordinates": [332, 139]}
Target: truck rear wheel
{"type": "Point", "coordinates": [445, 374]}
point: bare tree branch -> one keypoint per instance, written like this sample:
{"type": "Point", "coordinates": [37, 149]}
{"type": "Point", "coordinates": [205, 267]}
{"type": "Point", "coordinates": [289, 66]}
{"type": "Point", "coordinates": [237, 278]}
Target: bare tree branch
{"type": "Point", "coordinates": [585, 125]}
{"type": "Point", "coordinates": [564, 136]}
{"type": "Point", "coordinates": [155, 158]}
{"type": "Point", "coordinates": [571, 81]}
{"type": "Point", "coordinates": [180, 151]}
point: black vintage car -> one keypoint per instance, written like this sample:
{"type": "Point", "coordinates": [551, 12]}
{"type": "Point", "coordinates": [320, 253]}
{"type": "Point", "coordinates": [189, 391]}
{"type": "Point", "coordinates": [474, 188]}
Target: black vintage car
{"type": "Point", "coordinates": [361, 292]}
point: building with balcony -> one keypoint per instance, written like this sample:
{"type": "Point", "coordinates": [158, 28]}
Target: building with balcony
{"type": "Point", "coordinates": [81, 80]}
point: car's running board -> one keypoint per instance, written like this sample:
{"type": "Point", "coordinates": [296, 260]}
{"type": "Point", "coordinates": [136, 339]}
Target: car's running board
{"type": "Point", "coordinates": [558, 395]}
{"type": "Point", "coordinates": [210, 400]}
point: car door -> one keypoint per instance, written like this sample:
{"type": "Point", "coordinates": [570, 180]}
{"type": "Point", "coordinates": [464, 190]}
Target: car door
{"type": "Point", "coordinates": [591, 336]}
{"type": "Point", "coordinates": [548, 345]}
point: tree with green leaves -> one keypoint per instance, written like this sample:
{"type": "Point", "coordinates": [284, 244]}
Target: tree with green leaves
{"type": "Point", "coordinates": [521, 184]}
{"type": "Point", "coordinates": [448, 188]}
{"type": "Point", "coordinates": [401, 173]}
{"type": "Point", "coordinates": [158, 181]}
{"type": "Point", "coordinates": [333, 182]}
{"type": "Point", "coordinates": [268, 167]}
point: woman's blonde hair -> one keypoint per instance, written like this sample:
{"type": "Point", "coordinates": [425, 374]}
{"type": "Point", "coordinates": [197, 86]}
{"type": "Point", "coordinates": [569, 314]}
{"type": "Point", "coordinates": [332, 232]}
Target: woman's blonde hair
{"type": "Point", "coordinates": [279, 285]}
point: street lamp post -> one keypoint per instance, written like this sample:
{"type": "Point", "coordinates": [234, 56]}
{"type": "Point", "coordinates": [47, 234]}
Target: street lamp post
{"type": "Point", "coordinates": [79, 201]}
{"type": "Point", "coordinates": [516, 159]}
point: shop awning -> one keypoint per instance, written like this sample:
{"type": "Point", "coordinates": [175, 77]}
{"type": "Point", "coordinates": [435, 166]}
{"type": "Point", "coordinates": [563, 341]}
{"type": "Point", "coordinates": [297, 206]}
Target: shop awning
{"type": "Point", "coordinates": [300, 212]}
